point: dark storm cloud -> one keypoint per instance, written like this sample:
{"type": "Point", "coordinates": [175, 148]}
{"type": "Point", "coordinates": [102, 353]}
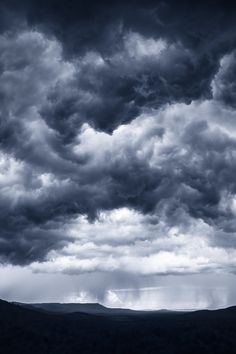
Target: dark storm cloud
{"type": "Point", "coordinates": [101, 28]}
{"type": "Point", "coordinates": [83, 27]}
{"type": "Point", "coordinates": [126, 81]}
{"type": "Point", "coordinates": [71, 75]}
{"type": "Point", "coordinates": [224, 87]}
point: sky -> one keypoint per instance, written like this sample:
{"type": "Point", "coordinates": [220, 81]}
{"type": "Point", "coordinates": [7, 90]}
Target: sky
{"type": "Point", "coordinates": [118, 152]}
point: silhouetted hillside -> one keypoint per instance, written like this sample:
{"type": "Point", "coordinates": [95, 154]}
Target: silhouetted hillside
{"type": "Point", "coordinates": [29, 331]}
{"type": "Point", "coordinates": [91, 308]}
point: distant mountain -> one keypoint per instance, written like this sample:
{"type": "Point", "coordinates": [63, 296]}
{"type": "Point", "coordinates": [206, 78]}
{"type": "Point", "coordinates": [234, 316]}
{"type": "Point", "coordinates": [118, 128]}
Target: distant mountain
{"type": "Point", "coordinates": [90, 308]}
{"type": "Point", "coordinates": [33, 331]}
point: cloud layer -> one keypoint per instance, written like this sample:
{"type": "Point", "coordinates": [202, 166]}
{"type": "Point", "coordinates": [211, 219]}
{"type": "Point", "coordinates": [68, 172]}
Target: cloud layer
{"type": "Point", "coordinates": [117, 150]}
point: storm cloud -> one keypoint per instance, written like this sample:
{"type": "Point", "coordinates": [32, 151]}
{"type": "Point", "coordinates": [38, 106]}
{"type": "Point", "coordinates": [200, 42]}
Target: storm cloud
{"type": "Point", "coordinates": [118, 137]}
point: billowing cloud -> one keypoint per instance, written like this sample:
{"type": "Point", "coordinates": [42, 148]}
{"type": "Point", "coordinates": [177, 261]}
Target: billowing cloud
{"type": "Point", "coordinates": [117, 150]}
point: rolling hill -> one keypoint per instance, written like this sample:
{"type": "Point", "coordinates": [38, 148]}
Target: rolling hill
{"type": "Point", "coordinates": [28, 330]}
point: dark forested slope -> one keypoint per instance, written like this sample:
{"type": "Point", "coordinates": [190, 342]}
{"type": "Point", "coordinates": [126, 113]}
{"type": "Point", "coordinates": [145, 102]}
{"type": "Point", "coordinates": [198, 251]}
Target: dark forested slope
{"type": "Point", "coordinates": [26, 331]}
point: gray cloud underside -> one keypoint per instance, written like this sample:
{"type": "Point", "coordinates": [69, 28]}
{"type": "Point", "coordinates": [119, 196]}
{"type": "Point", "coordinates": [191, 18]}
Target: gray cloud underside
{"type": "Point", "coordinates": [132, 121]}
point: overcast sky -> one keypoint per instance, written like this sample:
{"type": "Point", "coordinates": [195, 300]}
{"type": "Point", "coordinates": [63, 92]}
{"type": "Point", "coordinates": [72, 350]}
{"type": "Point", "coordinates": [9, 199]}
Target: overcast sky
{"type": "Point", "coordinates": [118, 152]}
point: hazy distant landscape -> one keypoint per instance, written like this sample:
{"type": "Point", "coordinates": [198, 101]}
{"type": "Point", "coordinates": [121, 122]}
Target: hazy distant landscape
{"type": "Point", "coordinates": [95, 329]}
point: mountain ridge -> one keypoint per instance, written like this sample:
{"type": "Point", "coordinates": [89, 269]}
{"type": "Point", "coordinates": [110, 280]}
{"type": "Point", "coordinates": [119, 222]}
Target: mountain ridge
{"type": "Point", "coordinates": [92, 308]}
{"type": "Point", "coordinates": [96, 308]}
{"type": "Point", "coordinates": [27, 330]}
